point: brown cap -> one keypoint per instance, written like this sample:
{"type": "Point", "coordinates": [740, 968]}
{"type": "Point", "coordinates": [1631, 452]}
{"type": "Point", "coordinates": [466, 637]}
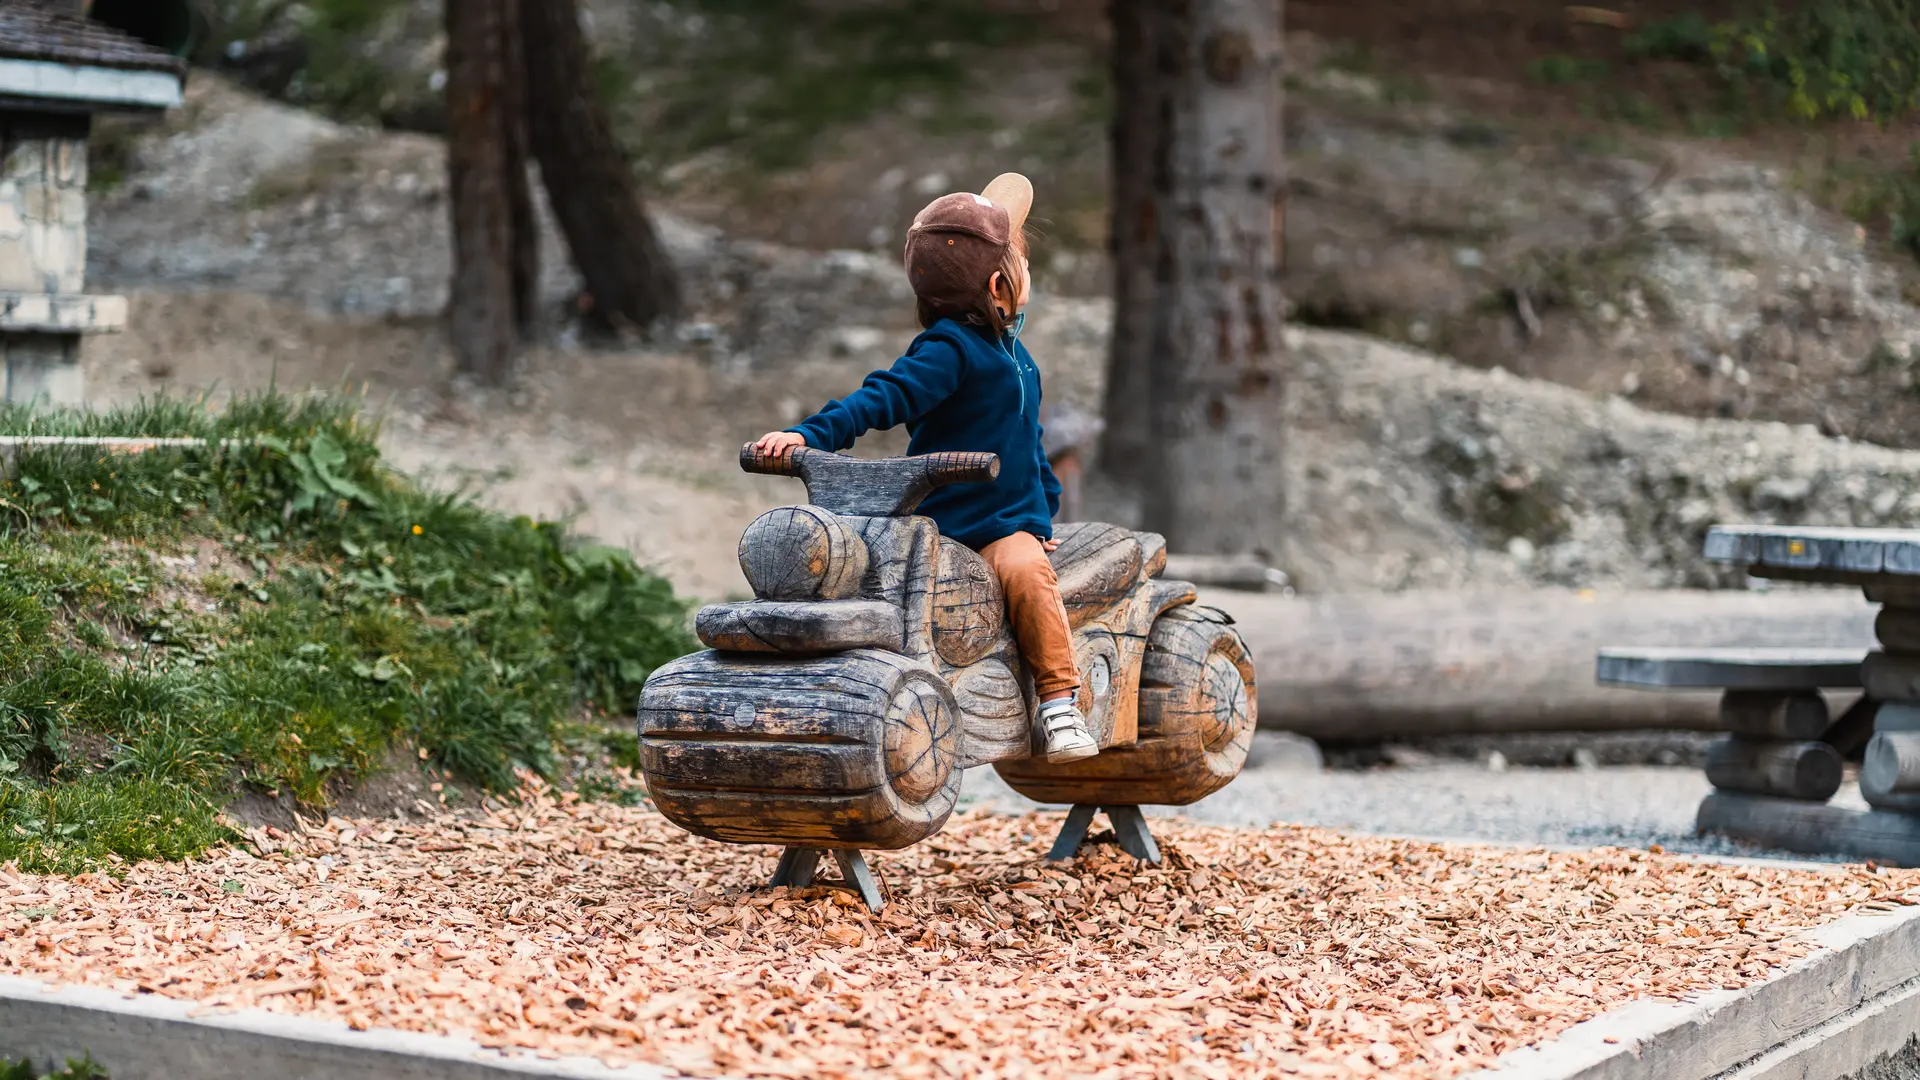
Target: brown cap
{"type": "Point", "coordinates": [959, 240]}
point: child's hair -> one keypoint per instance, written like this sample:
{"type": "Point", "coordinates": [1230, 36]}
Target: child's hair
{"type": "Point", "coordinates": [983, 311]}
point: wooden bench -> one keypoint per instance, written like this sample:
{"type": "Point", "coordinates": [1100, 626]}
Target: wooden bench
{"type": "Point", "coordinates": [1782, 740]}
{"type": "Point", "coordinates": [1780, 669]}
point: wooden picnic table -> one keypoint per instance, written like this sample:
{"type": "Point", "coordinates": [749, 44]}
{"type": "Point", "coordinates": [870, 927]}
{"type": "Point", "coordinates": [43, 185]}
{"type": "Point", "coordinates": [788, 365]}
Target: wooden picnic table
{"type": "Point", "coordinates": [1885, 565]}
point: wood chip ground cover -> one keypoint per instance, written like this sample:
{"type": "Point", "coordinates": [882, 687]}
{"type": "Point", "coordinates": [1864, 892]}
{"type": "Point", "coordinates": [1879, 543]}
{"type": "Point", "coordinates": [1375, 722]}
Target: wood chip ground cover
{"type": "Point", "coordinates": [573, 927]}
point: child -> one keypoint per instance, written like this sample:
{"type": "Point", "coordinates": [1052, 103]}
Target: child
{"type": "Point", "coordinates": [966, 383]}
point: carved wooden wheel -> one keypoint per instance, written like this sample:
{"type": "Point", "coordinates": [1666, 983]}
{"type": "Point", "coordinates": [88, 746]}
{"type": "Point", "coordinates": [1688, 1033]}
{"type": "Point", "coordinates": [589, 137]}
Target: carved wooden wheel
{"type": "Point", "coordinates": [1197, 713]}
{"type": "Point", "coordinates": [920, 740]}
{"type": "Point", "coordinates": [1225, 686]}
{"type": "Point", "coordinates": [857, 749]}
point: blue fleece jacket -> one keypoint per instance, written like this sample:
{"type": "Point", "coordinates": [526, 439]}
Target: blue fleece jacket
{"type": "Point", "coordinates": [958, 389]}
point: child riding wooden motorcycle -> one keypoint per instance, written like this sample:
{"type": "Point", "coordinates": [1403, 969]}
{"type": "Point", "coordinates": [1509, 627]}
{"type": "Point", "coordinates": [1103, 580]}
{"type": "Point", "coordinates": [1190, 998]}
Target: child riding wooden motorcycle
{"type": "Point", "coordinates": [887, 650]}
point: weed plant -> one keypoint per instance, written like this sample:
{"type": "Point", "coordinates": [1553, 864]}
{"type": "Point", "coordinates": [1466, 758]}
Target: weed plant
{"type": "Point", "coordinates": [140, 692]}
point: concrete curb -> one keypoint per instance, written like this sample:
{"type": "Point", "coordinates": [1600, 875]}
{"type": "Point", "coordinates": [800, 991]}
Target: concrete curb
{"type": "Point", "coordinates": [148, 1037]}
{"type": "Point", "coordinates": [1823, 1018]}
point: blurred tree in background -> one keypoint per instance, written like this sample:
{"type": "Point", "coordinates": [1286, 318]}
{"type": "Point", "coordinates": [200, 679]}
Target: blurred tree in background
{"type": "Point", "coordinates": [519, 83]}
{"type": "Point", "coordinates": [1199, 199]}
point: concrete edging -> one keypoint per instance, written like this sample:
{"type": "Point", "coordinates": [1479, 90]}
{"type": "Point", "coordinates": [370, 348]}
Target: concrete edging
{"type": "Point", "coordinates": [148, 1037]}
{"type": "Point", "coordinates": [1824, 1017]}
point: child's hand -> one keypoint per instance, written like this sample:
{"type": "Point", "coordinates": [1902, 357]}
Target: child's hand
{"type": "Point", "coordinates": [1046, 544]}
{"type": "Point", "coordinates": [779, 445]}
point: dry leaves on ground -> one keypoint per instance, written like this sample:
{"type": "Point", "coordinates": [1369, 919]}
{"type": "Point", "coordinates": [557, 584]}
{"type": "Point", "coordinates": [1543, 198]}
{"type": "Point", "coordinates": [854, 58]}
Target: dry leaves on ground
{"type": "Point", "coordinates": [573, 927]}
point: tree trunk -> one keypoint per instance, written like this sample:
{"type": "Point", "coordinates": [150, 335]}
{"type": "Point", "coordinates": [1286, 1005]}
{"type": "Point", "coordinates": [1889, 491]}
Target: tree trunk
{"type": "Point", "coordinates": [1384, 666]}
{"type": "Point", "coordinates": [588, 181]}
{"type": "Point", "coordinates": [492, 217]}
{"type": "Point", "coordinates": [525, 261]}
{"type": "Point", "coordinates": [1138, 157]}
{"type": "Point", "coordinates": [1218, 373]}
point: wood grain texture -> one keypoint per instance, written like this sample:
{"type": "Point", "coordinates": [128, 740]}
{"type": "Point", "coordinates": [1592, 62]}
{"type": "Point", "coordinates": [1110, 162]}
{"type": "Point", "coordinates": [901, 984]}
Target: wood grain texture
{"type": "Point", "coordinates": [903, 557]}
{"type": "Point", "coordinates": [1770, 715]}
{"type": "Point", "coordinates": [872, 487]}
{"type": "Point", "coordinates": [859, 749]}
{"type": "Point", "coordinates": [922, 737]}
{"type": "Point", "coordinates": [1891, 839]}
{"type": "Point", "coordinates": [1097, 564]}
{"type": "Point", "coordinates": [996, 718]}
{"type": "Point", "coordinates": [802, 553]}
{"type": "Point", "coordinates": [969, 610]}
{"type": "Point", "coordinates": [1097, 657]}
{"type": "Point", "coordinates": [776, 626]}
{"type": "Point", "coordinates": [1197, 709]}
{"type": "Point", "coordinates": [1153, 553]}
{"type": "Point", "coordinates": [1789, 770]}
{"type": "Point", "coordinates": [1892, 763]}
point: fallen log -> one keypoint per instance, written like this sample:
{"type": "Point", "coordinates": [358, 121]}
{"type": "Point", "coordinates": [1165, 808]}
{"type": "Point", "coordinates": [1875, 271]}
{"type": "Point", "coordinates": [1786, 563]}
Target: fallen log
{"type": "Point", "coordinates": [1368, 667]}
{"type": "Point", "coordinates": [1891, 839]}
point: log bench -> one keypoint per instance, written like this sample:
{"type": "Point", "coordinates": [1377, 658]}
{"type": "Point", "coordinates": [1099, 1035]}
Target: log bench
{"type": "Point", "coordinates": [1769, 799]}
{"type": "Point", "coordinates": [1782, 740]}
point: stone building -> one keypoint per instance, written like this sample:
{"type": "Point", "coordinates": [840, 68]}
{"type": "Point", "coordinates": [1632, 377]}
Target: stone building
{"type": "Point", "coordinates": [57, 70]}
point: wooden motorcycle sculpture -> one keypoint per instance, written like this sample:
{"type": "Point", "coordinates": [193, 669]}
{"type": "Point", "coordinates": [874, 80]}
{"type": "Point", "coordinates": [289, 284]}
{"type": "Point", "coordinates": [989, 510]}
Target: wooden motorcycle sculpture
{"type": "Point", "coordinates": [837, 709]}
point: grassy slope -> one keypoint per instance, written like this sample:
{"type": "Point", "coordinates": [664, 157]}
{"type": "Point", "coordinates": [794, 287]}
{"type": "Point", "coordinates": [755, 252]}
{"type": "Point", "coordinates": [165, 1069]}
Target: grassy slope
{"type": "Point", "coordinates": [358, 612]}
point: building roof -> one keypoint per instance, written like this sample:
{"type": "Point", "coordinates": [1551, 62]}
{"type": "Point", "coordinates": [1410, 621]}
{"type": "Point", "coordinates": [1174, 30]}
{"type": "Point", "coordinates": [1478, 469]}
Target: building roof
{"type": "Point", "coordinates": [32, 30]}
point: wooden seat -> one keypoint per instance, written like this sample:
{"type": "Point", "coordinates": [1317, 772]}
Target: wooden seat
{"type": "Point", "coordinates": [1780, 669]}
{"type": "Point", "coordinates": [1096, 564]}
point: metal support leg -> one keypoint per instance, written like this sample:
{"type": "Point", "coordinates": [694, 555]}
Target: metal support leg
{"type": "Point", "coordinates": [853, 868]}
{"type": "Point", "coordinates": [796, 868]}
{"type": "Point", "coordinates": [798, 865]}
{"type": "Point", "coordinates": [1073, 833]}
{"type": "Point", "coordinates": [1129, 828]}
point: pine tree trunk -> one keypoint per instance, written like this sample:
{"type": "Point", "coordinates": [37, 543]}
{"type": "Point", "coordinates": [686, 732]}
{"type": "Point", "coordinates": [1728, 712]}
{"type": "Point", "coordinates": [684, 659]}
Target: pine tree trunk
{"type": "Point", "coordinates": [589, 183]}
{"type": "Point", "coordinates": [1219, 354]}
{"type": "Point", "coordinates": [487, 180]}
{"type": "Point", "coordinates": [1138, 157]}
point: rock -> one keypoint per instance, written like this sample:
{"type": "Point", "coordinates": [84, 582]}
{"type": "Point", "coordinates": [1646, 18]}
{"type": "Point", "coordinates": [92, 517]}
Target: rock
{"type": "Point", "coordinates": [1276, 751]}
{"type": "Point", "coordinates": [1782, 493]}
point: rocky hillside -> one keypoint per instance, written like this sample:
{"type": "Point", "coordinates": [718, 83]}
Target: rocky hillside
{"type": "Point", "coordinates": [266, 244]}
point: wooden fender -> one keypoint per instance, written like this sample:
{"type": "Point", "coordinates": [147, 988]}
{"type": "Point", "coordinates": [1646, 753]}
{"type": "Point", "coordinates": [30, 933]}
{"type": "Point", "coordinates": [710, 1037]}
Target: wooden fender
{"type": "Point", "coordinates": [854, 750]}
{"type": "Point", "coordinates": [1197, 713]}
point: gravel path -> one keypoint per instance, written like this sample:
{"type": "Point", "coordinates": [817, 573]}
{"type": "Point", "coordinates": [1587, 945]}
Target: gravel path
{"type": "Point", "coordinates": [1625, 806]}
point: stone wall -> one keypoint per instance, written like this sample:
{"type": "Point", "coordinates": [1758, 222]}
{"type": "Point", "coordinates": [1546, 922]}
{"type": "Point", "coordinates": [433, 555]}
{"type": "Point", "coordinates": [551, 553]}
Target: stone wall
{"type": "Point", "coordinates": [43, 214]}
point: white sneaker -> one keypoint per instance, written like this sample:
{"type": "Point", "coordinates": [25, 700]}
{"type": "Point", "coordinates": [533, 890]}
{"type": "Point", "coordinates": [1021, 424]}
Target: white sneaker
{"type": "Point", "coordinates": [1066, 731]}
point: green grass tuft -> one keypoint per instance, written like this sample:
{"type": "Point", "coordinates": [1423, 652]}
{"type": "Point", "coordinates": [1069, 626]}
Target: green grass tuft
{"type": "Point", "coordinates": [354, 612]}
{"type": "Point", "coordinates": [84, 1069]}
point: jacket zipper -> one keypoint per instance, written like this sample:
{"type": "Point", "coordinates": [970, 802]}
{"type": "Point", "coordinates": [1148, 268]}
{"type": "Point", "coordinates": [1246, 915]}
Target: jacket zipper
{"type": "Point", "coordinates": [1019, 375]}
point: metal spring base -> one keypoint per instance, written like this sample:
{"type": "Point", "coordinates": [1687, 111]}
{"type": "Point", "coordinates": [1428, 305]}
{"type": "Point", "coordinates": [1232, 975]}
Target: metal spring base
{"type": "Point", "coordinates": [797, 865]}
{"type": "Point", "coordinates": [1129, 828]}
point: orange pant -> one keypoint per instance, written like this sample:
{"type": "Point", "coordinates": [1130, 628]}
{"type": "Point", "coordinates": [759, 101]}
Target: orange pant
{"type": "Point", "coordinates": [1039, 618]}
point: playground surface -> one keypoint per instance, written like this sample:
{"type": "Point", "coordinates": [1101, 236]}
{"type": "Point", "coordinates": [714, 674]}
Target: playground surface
{"type": "Point", "coordinates": [576, 928]}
